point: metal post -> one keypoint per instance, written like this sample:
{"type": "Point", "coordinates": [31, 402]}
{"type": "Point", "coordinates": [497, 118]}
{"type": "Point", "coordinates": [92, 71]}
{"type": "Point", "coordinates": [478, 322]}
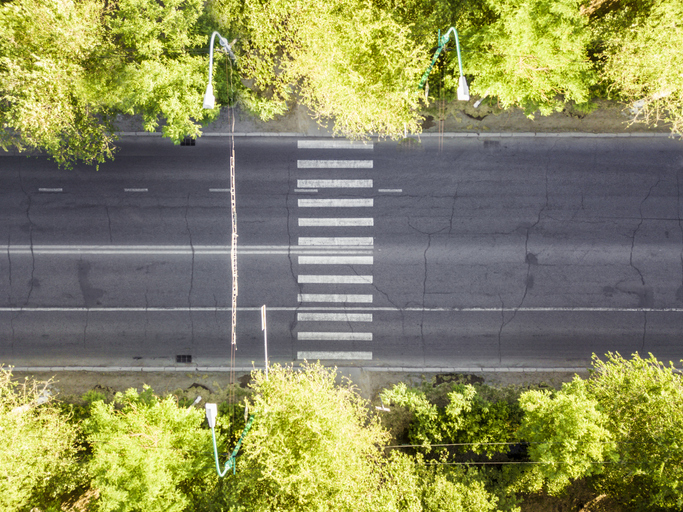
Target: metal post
{"type": "Point", "coordinates": [264, 328]}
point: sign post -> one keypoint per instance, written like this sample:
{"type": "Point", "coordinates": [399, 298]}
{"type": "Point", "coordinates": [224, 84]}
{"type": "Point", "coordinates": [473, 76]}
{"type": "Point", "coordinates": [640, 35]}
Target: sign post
{"type": "Point", "coordinates": [264, 328]}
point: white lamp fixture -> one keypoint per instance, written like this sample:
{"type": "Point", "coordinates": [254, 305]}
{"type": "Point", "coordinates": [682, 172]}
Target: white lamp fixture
{"type": "Point", "coordinates": [209, 99]}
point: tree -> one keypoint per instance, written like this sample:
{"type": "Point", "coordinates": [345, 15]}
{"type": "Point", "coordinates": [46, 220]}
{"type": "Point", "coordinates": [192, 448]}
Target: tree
{"type": "Point", "coordinates": [148, 454]}
{"type": "Point", "coordinates": [643, 62]}
{"type": "Point", "coordinates": [532, 56]}
{"type": "Point", "coordinates": [346, 60]}
{"type": "Point", "coordinates": [67, 67]}
{"type": "Point", "coordinates": [313, 446]}
{"type": "Point", "coordinates": [39, 449]}
{"type": "Point", "coordinates": [566, 434]}
{"type": "Point", "coordinates": [454, 489]}
{"type": "Point", "coordinates": [47, 101]}
{"type": "Point", "coordinates": [643, 402]}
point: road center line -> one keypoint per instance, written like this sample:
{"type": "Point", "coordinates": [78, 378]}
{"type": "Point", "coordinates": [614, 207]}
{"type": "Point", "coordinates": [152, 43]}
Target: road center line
{"type": "Point", "coordinates": [338, 355]}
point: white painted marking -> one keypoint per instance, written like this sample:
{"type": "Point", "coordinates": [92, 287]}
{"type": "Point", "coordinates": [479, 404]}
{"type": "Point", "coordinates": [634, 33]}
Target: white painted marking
{"type": "Point", "coordinates": [333, 297]}
{"type": "Point", "coordinates": [337, 240]}
{"type": "Point", "coordinates": [335, 203]}
{"type": "Point", "coordinates": [135, 190]}
{"type": "Point", "coordinates": [334, 317]}
{"type": "Point", "coordinates": [50, 190]}
{"type": "Point", "coordinates": [319, 279]}
{"type": "Point", "coordinates": [177, 249]}
{"type": "Point", "coordinates": [336, 222]}
{"type": "Point", "coordinates": [185, 309]}
{"type": "Point", "coordinates": [305, 190]}
{"type": "Point", "coordinates": [219, 190]}
{"type": "Point", "coordinates": [334, 336]}
{"type": "Point", "coordinates": [397, 190]}
{"type": "Point", "coordinates": [315, 356]}
{"type": "Point", "coordinates": [333, 144]}
{"type": "Point", "coordinates": [334, 164]}
{"type": "Point", "coordinates": [334, 183]}
{"type": "Point", "coordinates": [335, 260]}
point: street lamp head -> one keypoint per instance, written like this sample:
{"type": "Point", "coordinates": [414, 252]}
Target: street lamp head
{"type": "Point", "coordinates": [209, 100]}
{"type": "Point", "coordinates": [211, 413]}
{"type": "Point", "coordinates": [463, 90]}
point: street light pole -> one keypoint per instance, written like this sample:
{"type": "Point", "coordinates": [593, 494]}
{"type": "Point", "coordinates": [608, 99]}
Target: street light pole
{"type": "Point", "coordinates": [463, 89]}
{"type": "Point", "coordinates": [209, 100]}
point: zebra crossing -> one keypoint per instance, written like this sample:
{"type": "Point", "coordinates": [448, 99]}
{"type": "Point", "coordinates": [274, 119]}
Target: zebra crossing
{"type": "Point", "coordinates": [343, 274]}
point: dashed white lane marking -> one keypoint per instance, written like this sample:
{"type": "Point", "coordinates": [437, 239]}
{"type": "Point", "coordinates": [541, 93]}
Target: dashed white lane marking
{"type": "Point", "coordinates": [335, 260]}
{"type": "Point", "coordinates": [219, 190]}
{"type": "Point", "coordinates": [211, 309]}
{"type": "Point", "coordinates": [333, 144]}
{"type": "Point", "coordinates": [334, 183]}
{"type": "Point", "coordinates": [325, 279]}
{"type": "Point", "coordinates": [334, 336]}
{"type": "Point", "coordinates": [335, 240]}
{"type": "Point", "coordinates": [50, 190]}
{"type": "Point", "coordinates": [335, 203]}
{"type": "Point", "coordinates": [309, 190]}
{"type": "Point", "coordinates": [334, 317]}
{"type": "Point", "coordinates": [339, 355]}
{"type": "Point", "coordinates": [333, 297]}
{"type": "Point", "coordinates": [135, 190]}
{"type": "Point", "coordinates": [334, 164]}
{"type": "Point", "coordinates": [336, 222]}
{"type": "Point", "coordinates": [390, 190]}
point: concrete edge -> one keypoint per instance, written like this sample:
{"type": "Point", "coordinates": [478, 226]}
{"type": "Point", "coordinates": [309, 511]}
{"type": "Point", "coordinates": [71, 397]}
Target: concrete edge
{"type": "Point", "coordinates": [427, 135]}
{"type": "Point", "coordinates": [225, 369]}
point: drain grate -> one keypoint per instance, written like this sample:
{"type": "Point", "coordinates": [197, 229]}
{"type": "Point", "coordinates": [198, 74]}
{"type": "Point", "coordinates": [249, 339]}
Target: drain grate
{"type": "Point", "coordinates": [183, 358]}
{"type": "Point", "coordinates": [187, 141]}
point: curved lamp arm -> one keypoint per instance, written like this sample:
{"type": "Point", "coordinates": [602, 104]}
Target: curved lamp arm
{"type": "Point", "coordinates": [463, 90]}
{"type": "Point", "coordinates": [211, 413]}
{"type": "Point", "coordinates": [209, 100]}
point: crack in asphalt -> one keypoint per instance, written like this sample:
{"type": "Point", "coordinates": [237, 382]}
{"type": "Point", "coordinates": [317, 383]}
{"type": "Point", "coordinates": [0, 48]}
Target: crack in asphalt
{"type": "Point", "coordinates": [111, 238]}
{"type": "Point", "coordinates": [635, 231]}
{"type": "Point", "coordinates": [455, 198]}
{"type": "Point", "coordinates": [30, 237]}
{"type": "Point", "coordinates": [85, 327]}
{"type": "Point", "coordinates": [529, 262]}
{"type": "Point", "coordinates": [424, 283]}
{"type": "Point", "coordinates": [189, 295]}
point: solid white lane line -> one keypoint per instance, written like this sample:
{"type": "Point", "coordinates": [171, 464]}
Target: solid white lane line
{"type": "Point", "coordinates": [219, 190]}
{"type": "Point", "coordinates": [333, 297]}
{"type": "Point", "coordinates": [334, 317]}
{"type": "Point", "coordinates": [135, 190]}
{"type": "Point", "coordinates": [334, 183]}
{"type": "Point", "coordinates": [335, 260]}
{"type": "Point", "coordinates": [334, 164]}
{"type": "Point", "coordinates": [366, 221]}
{"type": "Point", "coordinates": [336, 240]}
{"type": "Point", "coordinates": [333, 144]}
{"type": "Point", "coordinates": [178, 249]}
{"type": "Point", "coordinates": [389, 190]}
{"type": "Point", "coordinates": [50, 190]}
{"type": "Point", "coordinates": [299, 190]}
{"type": "Point", "coordinates": [320, 279]}
{"type": "Point", "coordinates": [335, 203]}
{"type": "Point", "coordinates": [376, 309]}
{"type": "Point", "coordinates": [334, 336]}
{"type": "Point", "coordinates": [314, 356]}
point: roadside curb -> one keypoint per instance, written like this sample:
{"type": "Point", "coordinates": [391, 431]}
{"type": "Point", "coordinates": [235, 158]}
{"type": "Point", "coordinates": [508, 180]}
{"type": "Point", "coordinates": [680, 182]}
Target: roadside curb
{"type": "Point", "coordinates": [225, 369]}
{"type": "Point", "coordinates": [452, 135]}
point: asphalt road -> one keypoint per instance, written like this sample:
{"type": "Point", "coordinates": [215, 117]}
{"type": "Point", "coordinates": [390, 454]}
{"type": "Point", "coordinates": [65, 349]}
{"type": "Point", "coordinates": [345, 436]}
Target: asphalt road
{"type": "Point", "coordinates": [490, 252]}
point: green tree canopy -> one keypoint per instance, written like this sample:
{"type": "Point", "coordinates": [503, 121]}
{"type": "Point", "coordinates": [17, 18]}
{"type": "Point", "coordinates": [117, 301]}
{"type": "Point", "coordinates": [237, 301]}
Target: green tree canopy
{"type": "Point", "coordinates": [532, 56]}
{"type": "Point", "coordinates": [147, 453]}
{"type": "Point", "coordinates": [38, 447]}
{"type": "Point", "coordinates": [643, 402]}
{"type": "Point", "coordinates": [346, 60]}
